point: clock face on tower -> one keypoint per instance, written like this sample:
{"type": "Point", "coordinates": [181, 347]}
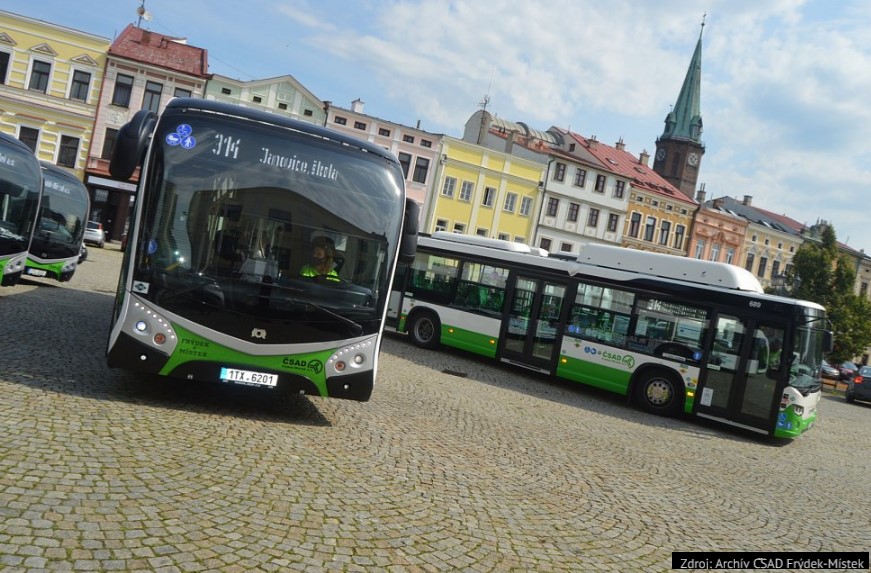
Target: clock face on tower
{"type": "Point", "coordinates": [660, 154]}
{"type": "Point", "coordinates": [693, 159]}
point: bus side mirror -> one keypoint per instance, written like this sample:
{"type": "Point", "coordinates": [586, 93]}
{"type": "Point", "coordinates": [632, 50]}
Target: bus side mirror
{"type": "Point", "coordinates": [130, 144]}
{"type": "Point", "coordinates": [828, 341]}
{"type": "Point", "coordinates": [408, 242]}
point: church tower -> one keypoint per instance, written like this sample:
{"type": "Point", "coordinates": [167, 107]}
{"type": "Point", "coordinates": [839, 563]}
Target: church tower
{"type": "Point", "coordinates": [679, 149]}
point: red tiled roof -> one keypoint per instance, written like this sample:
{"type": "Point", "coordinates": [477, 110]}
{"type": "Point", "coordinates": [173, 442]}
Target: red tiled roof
{"type": "Point", "coordinates": [159, 50]}
{"type": "Point", "coordinates": [624, 163]}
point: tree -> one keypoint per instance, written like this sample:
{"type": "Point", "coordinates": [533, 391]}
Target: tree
{"type": "Point", "coordinates": [821, 274]}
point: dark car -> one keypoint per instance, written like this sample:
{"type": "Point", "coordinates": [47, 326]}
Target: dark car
{"type": "Point", "coordinates": [848, 370]}
{"type": "Point", "coordinates": [859, 387]}
{"type": "Point", "coordinates": [829, 371]}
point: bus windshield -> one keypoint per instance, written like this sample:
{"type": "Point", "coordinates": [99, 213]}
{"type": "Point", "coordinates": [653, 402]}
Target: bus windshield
{"type": "Point", "coordinates": [19, 197]}
{"type": "Point", "coordinates": [804, 371]}
{"type": "Point", "coordinates": [238, 213]}
{"type": "Point", "coordinates": [63, 211]}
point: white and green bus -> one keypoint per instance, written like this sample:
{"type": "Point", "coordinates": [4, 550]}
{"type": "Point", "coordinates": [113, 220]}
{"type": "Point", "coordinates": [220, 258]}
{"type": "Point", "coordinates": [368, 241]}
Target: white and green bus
{"type": "Point", "coordinates": [20, 189]}
{"type": "Point", "coordinates": [57, 238]}
{"type": "Point", "coordinates": [672, 334]}
{"type": "Point", "coordinates": [232, 206]}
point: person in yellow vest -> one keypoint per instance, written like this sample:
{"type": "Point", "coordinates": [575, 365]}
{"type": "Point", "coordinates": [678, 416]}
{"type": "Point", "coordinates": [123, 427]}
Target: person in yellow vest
{"type": "Point", "coordinates": [323, 260]}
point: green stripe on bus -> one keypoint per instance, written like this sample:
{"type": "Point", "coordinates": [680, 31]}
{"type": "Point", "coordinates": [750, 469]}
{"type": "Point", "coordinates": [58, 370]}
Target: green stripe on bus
{"type": "Point", "coordinates": [469, 340]}
{"type": "Point", "coordinates": [598, 375]}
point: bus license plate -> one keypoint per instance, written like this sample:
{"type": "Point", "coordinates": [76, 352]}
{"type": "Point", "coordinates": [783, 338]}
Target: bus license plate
{"type": "Point", "coordinates": [36, 272]}
{"type": "Point", "coordinates": [249, 377]}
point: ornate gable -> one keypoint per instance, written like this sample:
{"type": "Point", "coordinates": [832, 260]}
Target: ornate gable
{"type": "Point", "coordinates": [44, 49]}
{"type": "Point", "coordinates": [86, 60]}
{"type": "Point", "coordinates": [5, 39]}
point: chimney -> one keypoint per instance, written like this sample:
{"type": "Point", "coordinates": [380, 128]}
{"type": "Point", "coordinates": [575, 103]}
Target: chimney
{"type": "Point", "coordinates": [747, 200]}
{"type": "Point", "coordinates": [357, 105]}
{"type": "Point", "coordinates": [620, 145]}
{"type": "Point", "coordinates": [644, 158]}
{"type": "Point", "coordinates": [700, 194]}
{"type": "Point", "coordinates": [592, 142]}
{"type": "Point", "coordinates": [418, 124]}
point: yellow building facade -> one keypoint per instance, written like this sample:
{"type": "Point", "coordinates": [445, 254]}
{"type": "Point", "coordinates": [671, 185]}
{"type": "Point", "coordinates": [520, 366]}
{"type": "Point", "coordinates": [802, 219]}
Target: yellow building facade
{"type": "Point", "coordinates": [479, 191]}
{"type": "Point", "coordinates": [50, 79]}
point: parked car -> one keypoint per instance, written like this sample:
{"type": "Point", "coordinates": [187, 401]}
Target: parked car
{"type": "Point", "coordinates": [829, 371]}
{"type": "Point", "coordinates": [848, 370]}
{"type": "Point", "coordinates": [94, 234]}
{"type": "Point", "coordinates": [859, 387]}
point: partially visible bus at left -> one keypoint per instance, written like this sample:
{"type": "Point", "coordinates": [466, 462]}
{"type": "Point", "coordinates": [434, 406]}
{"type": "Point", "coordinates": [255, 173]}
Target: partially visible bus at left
{"type": "Point", "coordinates": [20, 188]}
{"type": "Point", "coordinates": [57, 238]}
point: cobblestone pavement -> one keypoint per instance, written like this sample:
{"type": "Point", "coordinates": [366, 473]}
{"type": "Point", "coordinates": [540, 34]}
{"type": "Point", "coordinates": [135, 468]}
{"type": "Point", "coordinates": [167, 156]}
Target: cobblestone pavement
{"type": "Point", "coordinates": [484, 468]}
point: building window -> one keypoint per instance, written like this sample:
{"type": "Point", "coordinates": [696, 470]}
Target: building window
{"type": "Point", "coordinates": [700, 248]}
{"type": "Point", "coordinates": [664, 232]}
{"type": "Point", "coordinates": [650, 229]}
{"type": "Point", "coordinates": [39, 76]}
{"type": "Point", "coordinates": [226, 91]}
{"type": "Point", "coordinates": [449, 186]}
{"type": "Point", "coordinates": [504, 237]}
{"type": "Point", "coordinates": [360, 125]}
{"type": "Point", "coordinates": [4, 66]}
{"type": "Point", "coordinates": [545, 244]}
{"type": "Point", "coordinates": [613, 221]}
{"type": "Point", "coordinates": [593, 218]}
{"type": "Point", "coordinates": [305, 112]}
{"type": "Point", "coordinates": [421, 168]}
{"type": "Point", "coordinates": [441, 225]}
{"type": "Point", "coordinates": [481, 232]}
{"type": "Point", "coordinates": [459, 228]}
{"type": "Point", "coordinates": [863, 288]}
{"type": "Point", "coordinates": [565, 247]}
{"type": "Point", "coordinates": [466, 191]}
{"type": "Point", "coordinates": [730, 256]}
{"type": "Point", "coordinates": [763, 263]}
{"type": "Point", "coordinates": [753, 238]}
{"type": "Point", "coordinates": [408, 138]}
{"type": "Point", "coordinates": [405, 162]}
{"type": "Point", "coordinates": [634, 225]}
{"type": "Point", "coordinates": [425, 143]}
{"type": "Point", "coordinates": [339, 120]}
{"type": "Point", "coordinates": [580, 177]}
{"type": "Point", "coordinates": [619, 189]}
{"type": "Point", "coordinates": [257, 99]}
{"type": "Point", "coordinates": [510, 202]}
{"type": "Point", "coordinates": [574, 209]}
{"type": "Point", "coordinates": [151, 100]}
{"type": "Point", "coordinates": [559, 173]}
{"type": "Point", "coordinates": [715, 252]}
{"type": "Point", "coordinates": [571, 146]}
{"type": "Point", "coordinates": [29, 137]}
{"type": "Point", "coordinates": [654, 203]}
{"type": "Point", "coordinates": [679, 231]}
{"type": "Point", "coordinates": [526, 206]}
{"type": "Point", "coordinates": [283, 107]}
{"type": "Point", "coordinates": [749, 264]}
{"type": "Point", "coordinates": [182, 92]}
{"type": "Point", "coordinates": [552, 207]}
{"type": "Point", "coordinates": [775, 268]}
{"type": "Point", "coordinates": [489, 196]}
{"type": "Point", "coordinates": [68, 151]}
{"type": "Point", "coordinates": [383, 132]}
{"type": "Point", "coordinates": [600, 184]}
{"type": "Point", "coordinates": [767, 240]}
{"type": "Point", "coordinates": [80, 86]}
{"type": "Point", "coordinates": [108, 143]}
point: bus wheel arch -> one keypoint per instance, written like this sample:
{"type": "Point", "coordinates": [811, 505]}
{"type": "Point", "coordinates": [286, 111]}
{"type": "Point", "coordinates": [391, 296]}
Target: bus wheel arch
{"type": "Point", "coordinates": [424, 327]}
{"type": "Point", "coordinates": [658, 390]}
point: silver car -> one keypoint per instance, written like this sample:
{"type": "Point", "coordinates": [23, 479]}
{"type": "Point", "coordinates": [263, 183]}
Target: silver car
{"type": "Point", "coordinates": [94, 234]}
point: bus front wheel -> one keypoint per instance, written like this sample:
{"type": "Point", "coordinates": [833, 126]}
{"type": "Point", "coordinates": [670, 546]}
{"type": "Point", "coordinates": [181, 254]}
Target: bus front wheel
{"type": "Point", "coordinates": [659, 392]}
{"type": "Point", "coordinates": [424, 330]}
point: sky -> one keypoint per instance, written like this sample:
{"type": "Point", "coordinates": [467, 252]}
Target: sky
{"type": "Point", "coordinates": [784, 92]}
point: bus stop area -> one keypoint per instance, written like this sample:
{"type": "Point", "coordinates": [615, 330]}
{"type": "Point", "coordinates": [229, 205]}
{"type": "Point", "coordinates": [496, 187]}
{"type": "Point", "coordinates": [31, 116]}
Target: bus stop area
{"type": "Point", "coordinates": [455, 464]}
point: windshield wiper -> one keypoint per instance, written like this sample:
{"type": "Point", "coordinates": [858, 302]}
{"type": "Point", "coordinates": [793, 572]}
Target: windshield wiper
{"type": "Point", "coordinates": [356, 328]}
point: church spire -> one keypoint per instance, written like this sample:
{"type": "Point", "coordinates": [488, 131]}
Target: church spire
{"type": "Point", "coordinates": [684, 121]}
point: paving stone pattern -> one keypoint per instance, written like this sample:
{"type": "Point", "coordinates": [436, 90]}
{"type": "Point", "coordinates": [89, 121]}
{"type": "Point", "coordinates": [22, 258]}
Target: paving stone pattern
{"type": "Point", "coordinates": [456, 464]}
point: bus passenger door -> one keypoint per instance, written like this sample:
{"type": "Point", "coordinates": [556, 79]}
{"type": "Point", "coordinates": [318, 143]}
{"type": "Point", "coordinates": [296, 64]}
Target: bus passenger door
{"type": "Point", "coordinates": [530, 328]}
{"type": "Point", "coordinates": [740, 381]}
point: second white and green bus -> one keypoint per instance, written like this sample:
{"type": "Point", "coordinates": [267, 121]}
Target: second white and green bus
{"type": "Point", "coordinates": [57, 239]}
{"type": "Point", "coordinates": [673, 334]}
{"type": "Point", "coordinates": [20, 189]}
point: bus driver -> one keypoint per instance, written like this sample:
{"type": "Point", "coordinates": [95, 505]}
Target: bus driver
{"type": "Point", "coordinates": [323, 260]}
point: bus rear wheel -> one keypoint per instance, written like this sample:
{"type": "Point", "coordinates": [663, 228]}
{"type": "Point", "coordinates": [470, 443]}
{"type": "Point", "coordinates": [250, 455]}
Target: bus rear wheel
{"type": "Point", "coordinates": [424, 330]}
{"type": "Point", "coordinates": [659, 392]}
